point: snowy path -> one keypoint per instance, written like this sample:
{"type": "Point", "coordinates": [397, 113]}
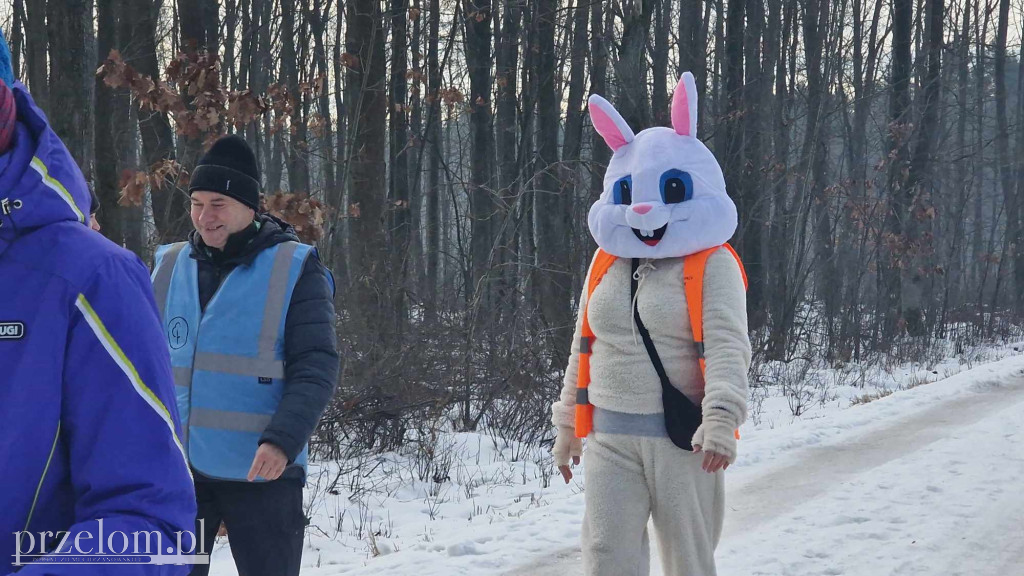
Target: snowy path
{"type": "Point", "coordinates": [936, 490]}
{"type": "Point", "coordinates": [927, 481]}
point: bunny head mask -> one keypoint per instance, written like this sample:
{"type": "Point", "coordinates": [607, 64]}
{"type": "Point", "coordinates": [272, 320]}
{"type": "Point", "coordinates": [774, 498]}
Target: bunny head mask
{"type": "Point", "coordinates": [664, 194]}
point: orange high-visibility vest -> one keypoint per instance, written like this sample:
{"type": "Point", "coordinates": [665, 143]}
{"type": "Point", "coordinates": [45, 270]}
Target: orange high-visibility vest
{"type": "Point", "coordinates": [693, 285]}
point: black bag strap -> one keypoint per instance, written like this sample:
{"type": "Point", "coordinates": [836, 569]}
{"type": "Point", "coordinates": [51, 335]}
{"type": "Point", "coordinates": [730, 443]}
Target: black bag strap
{"type": "Point", "coordinates": [634, 284]}
{"type": "Point", "coordinates": [682, 416]}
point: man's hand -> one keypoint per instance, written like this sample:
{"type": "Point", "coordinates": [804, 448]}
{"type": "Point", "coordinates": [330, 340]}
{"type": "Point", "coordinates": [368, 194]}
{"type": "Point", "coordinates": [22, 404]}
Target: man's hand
{"type": "Point", "coordinates": [269, 463]}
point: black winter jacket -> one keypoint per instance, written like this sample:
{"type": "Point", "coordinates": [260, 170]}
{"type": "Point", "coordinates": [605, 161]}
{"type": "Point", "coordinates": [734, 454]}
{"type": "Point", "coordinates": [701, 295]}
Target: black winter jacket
{"type": "Point", "coordinates": [310, 343]}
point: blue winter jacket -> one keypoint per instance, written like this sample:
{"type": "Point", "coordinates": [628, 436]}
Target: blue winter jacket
{"type": "Point", "coordinates": [88, 423]}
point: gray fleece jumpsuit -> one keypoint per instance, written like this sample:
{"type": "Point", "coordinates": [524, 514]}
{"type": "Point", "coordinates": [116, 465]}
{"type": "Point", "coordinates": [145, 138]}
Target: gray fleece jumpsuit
{"type": "Point", "coordinates": [633, 470]}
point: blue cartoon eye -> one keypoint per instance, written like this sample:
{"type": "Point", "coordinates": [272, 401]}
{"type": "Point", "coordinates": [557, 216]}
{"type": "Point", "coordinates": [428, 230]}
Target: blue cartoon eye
{"type": "Point", "coordinates": [623, 191]}
{"type": "Point", "coordinates": [676, 186]}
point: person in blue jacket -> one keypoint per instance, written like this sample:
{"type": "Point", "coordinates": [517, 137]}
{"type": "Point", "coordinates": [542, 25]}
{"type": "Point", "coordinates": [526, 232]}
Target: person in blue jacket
{"type": "Point", "coordinates": [89, 441]}
{"type": "Point", "coordinates": [249, 316]}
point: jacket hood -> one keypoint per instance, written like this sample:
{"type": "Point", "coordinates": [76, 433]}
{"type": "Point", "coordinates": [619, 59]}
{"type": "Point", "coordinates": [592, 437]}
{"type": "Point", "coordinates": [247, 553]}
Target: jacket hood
{"type": "Point", "coordinates": [40, 183]}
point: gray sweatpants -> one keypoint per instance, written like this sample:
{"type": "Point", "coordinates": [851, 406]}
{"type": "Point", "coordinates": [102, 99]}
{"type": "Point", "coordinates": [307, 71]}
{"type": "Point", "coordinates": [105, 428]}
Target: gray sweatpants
{"type": "Point", "coordinates": [630, 479]}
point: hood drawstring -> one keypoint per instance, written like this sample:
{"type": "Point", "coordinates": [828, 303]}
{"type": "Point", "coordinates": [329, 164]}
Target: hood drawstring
{"type": "Point", "coordinates": [646, 267]}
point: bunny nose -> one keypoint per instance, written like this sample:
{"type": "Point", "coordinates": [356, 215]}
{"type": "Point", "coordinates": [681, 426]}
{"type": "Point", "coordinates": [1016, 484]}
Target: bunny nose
{"type": "Point", "coordinates": [642, 208]}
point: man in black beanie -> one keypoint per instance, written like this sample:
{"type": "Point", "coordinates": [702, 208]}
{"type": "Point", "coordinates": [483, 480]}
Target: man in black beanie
{"type": "Point", "coordinates": [251, 390]}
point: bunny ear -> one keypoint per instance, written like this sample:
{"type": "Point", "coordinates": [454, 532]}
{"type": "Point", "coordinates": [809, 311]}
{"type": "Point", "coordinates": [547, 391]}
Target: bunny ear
{"type": "Point", "coordinates": [684, 106]}
{"type": "Point", "coordinates": [609, 123]}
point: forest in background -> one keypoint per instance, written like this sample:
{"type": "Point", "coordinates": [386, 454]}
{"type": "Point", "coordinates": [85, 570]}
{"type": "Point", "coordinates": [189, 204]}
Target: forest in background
{"type": "Point", "coordinates": [440, 156]}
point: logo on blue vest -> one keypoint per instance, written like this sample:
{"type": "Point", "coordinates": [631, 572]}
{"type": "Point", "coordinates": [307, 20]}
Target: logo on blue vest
{"type": "Point", "coordinates": [12, 330]}
{"type": "Point", "coordinates": [177, 332]}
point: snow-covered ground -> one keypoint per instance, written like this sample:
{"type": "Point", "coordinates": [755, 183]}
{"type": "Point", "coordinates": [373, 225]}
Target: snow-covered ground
{"type": "Point", "coordinates": [926, 480]}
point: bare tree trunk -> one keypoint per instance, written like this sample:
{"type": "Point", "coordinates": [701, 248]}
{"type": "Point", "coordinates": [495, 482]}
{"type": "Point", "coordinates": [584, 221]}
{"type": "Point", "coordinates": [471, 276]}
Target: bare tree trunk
{"type": "Point", "coordinates": [112, 126]}
{"type": "Point", "coordinates": [249, 69]}
{"type": "Point", "coordinates": [980, 82]}
{"type": "Point", "coordinates": [717, 73]}
{"type": "Point", "coordinates": [599, 43]}
{"type": "Point", "coordinates": [417, 147]}
{"type": "Point", "coordinates": [632, 100]}
{"type": "Point", "coordinates": [1018, 257]}
{"type": "Point", "coordinates": [577, 71]}
{"type": "Point", "coordinates": [572, 169]}
{"type": "Point", "coordinates": [169, 212]}
{"type": "Point", "coordinates": [199, 23]}
{"type": "Point", "coordinates": [693, 38]}
{"type": "Point", "coordinates": [17, 36]}
{"type": "Point", "coordinates": [37, 47]}
{"type": "Point", "coordinates": [316, 15]}
{"type": "Point", "coordinates": [243, 80]}
{"type": "Point", "coordinates": [918, 184]}
{"type": "Point", "coordinates": [526, 156]}
{"type": "Point", "coordinates": [401, 225]}
{"type": "Point", "coordinates": [506, 125]}
{"type": "Point", "coordinates": [853, 246]}
{"type": "Point", "coordinates": [367, 109]}
{"type": "Point", "coordinates": [276, 164]}
{"type": "Point", "coordinates": [1006, 173]}
{"type": "Point", "coordinates": [891, 287]}
{"type": "Point", "coordinates": [298, 168]}
{"type": "Point", "coordinates": [864, 87]}
{"type": "Point", "coordinates": [719, 94]}
{"type": "Point", "coordinates": [753, 203]}
{"type": "Point", "coordinates": [337, 199]}
{"type": "Point", "coordinates": [506, 65]}
{"type": "Point", "coordinates": [435, 151]}
{"type": "Point", "coordinates": [659, 55]}
{"type": "Point", "coordinates": [815, 154]}
{"type": "Point", "coordinates": [477, 18]}
{"type": "Point", "coordinates": [128, 142]}
{"type": "Point", "coordinates": [263, 66]}
{"type": "Point", "coordinates": [72, 55]}
{"type": "Point", "coordinates": [553, 204]}
{"type": "Point", "coordinates": [228, 74]}
{"type": "Point", "coordinates": [967, 170]}
{"type": "Point", "coordinates": [782, 225]}
{"type": "Point", "coordinates": [957, 282]}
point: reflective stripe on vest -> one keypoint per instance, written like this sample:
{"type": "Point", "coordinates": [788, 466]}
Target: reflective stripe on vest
{"type": "Point", "coordinates": [229, 360]}
{"type": "Point", "coordinates": [162, 274]}
{"type": "Point", "coordinates": [693, 286]}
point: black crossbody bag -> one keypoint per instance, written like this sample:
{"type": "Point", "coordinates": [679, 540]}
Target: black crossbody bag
{"type": "Point", "coordinates": [682, 417]}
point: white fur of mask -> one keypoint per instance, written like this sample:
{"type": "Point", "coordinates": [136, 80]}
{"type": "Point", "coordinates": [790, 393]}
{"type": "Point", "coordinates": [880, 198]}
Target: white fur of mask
{"type": "Point", "coordinates": [661, 220]}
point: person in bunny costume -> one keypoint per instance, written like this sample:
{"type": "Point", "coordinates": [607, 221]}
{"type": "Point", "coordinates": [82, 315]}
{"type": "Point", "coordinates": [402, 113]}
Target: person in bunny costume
{"type": "Point", "coordinates": [657, 377]}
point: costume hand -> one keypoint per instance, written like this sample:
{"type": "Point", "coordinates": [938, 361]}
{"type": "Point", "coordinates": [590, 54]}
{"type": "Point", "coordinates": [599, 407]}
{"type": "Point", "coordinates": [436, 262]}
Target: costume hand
{"type": "Point", "coordinates": [713, 461]}
{"type": "Point", "coordinates": [715, 437]}
{"type": "Point", "coordinates": [567, 446]}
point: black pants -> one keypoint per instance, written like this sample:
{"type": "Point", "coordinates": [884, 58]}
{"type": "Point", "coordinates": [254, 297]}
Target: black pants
{"type": "Point", "coordinates": [265, 523]}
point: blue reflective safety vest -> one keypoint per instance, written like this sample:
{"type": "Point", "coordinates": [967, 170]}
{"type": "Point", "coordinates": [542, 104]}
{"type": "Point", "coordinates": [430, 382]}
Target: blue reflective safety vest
{"type": "Point", "coordinates": [229, 360]}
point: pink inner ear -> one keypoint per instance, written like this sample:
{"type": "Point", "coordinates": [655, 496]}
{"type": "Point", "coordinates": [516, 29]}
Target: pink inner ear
{"type": "Point", "coordinates": [681, 111]}
{"type": "Point", "coordinates": [607, 128]}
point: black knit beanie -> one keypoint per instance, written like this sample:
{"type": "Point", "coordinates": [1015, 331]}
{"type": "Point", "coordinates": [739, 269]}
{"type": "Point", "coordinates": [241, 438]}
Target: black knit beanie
{"type": "Point", "coordinates": [229, 168]}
